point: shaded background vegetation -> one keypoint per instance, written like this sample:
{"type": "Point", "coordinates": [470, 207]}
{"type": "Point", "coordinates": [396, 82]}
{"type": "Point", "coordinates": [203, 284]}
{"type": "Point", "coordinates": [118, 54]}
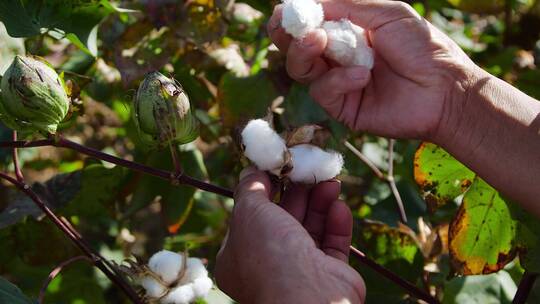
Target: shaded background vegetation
{"type": "Point", "coordinates": [220, 53]}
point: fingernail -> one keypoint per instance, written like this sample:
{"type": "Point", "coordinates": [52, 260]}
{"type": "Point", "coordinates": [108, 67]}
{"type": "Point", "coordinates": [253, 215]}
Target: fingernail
{"type": "Point", "coordinates": [357, 73]}
{"type": "Point", "coordinates": [247, 171]}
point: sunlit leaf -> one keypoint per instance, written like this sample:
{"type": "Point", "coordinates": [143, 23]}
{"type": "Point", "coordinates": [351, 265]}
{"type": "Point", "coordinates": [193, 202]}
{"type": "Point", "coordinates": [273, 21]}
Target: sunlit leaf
{"type": "Point", "coordinates": [482, 236]}
{"type": "Point", "coordinates": [440, 176]}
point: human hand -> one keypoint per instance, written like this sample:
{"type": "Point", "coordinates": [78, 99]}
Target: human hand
{"type": "Point", "coordinates": [419, 72]}
{"type": "Point", "coordinates": [294, 252]}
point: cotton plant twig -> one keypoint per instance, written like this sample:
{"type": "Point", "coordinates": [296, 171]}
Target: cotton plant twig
{"type": "Point", "coordinates": [57, 271]}
{"type": "Point", "coordinates": [62, 224]}
{"type": "Point", "coordinates": [62, 142]}
{"type": "Point", "coordinates": [392, 181]}
{"type": "Point", "coordinates": [525, 286]}
{"type": "Point", "coordinates": [183, 179]}
{"type": "Point", "coordinates": [410, 288]}
{"type": "Point", "coordinates": [15, 156]}
{"type": "Point", "coordinates": [176, 161]}
{"type": "Point", "coordinates": [388, 178]}
{"type": "Point", "coordinates": [99, 261]}
{"type": "Point", "coordinates": [366, 160]}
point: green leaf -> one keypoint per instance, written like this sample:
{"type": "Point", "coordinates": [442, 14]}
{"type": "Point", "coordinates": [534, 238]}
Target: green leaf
{"type": "Point", "coordinates": [76, 20]}
{"type": "Point", "coordinates": [486, 289]}
{"type": "Point", "coordinates": [11, 294]}
{"type": "Point", "coordinates": [440, 176]}
{"type": "Point", "coordinates": [178, 202]}
{"type": "Point", "coordinates": [482, 236]}
{"type": "Point", "coordinates": [245, 98]}
{"type": "Point", "coordinates": [98, 189]}
{"type": "Point", "coordinates": [391, 247]}
{"type": "Point", "coordinates": [56, 193]}
{"type": "Point", "coordinates": [395, 250]}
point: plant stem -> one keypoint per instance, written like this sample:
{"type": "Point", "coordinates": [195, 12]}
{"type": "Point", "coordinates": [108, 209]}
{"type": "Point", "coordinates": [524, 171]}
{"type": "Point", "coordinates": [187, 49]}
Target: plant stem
{"type": "Point", "coordinates": [366, 160]}
{"type": "Point", "coordinates": [97, 259]}
{"type": "Point", "coordinates": [389, 178]}
{"type": "Point", "coordinates": [56, 271]}
{"type": "Point", "coordinates": [392, 182]}
{"type": "Point", "coordinates": [176, 161]}
{"type": "Point", "coordinates": [167, 175]}
{"type": "Point", "coordinates": [410, 288]}
{"type": "Point", "coordinates": [18, 172]}
{"type": "Point", "coordinates": [525, 286]}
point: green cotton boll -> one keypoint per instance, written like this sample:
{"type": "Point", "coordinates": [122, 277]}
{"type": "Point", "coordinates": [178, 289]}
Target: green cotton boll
{"type": "Point", "coordinates": [162, 112]}
{"type": "Point", "coordinates": [33, 96]}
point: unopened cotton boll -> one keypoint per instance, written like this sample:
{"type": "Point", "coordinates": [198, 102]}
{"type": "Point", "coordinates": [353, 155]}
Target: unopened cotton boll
{"type": "Point", "coordinates": [166, 264]}
{"type": "Point", "coordinates": [263, 146]}
{"type": "Point", "coordinates": [183, 294]}
{"type": "Point", "coordinates": [347, 44]}
{"type": "Point", "coordinates": [202, 286]}
{"type": "Point", "coordinates": [312, 164]}
{"type": "Point", "coordinates": [299, 17]}
{"type": "Point", "coordinates": [153, 288]}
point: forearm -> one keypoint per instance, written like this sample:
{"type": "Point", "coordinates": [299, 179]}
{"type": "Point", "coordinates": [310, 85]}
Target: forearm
{"type": "Point", "coordinates": [494, 129]}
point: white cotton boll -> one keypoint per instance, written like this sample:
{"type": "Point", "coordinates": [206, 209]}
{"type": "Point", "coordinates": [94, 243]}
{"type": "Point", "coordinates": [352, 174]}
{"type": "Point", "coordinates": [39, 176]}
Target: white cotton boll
{"type": "Point", "coordinates": [347, 44]}
{"type": "Point", "coordinates": [153, 288]}
{"type": "Point", "coordinates": [180, 295]}
{"type": "Point", "coordinates": [202, 286]}
{"type": "Point", "coordinates": [195, 269]}
{"type": "Point", "coordinates": [263, 146]}
{"type": "Point", "coordinates": [166, 264]}
{"type": "Point", "coordinates": [311, 164]}
{"type": "Point", "coordinates": [301, 16]}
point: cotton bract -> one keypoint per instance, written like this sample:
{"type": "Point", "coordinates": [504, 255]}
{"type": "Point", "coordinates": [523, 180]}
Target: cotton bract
{"type": "Point", "coordinates": [312, 164]}
{"type": "Point", "coordinates": [301, 16]}
{"type": "Point", "coordinates": [347, 44]}
{"type": "Point", "coordinates": [263, 146]}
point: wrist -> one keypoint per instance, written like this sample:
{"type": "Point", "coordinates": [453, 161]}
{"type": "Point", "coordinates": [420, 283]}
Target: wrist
{"type": "Point", "coordinates": [459, 108]}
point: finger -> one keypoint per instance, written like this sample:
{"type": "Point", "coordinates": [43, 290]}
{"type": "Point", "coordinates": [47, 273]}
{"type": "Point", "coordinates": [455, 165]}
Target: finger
{"type": "Point", "coordinates": [320, 199]}
{"type": "Point", "coordinates": [333, 91]}
{"type": "Point", "coordinates": [305, 57]}
{"type": "Point", "coordinates": [295, 201]}
{"type": "Point", "coordinates": [338, 231]}
{"type": "Point", "coordinates": [369, 14]}
{"type": "Point", "coordinates": [254, 187]}
{"type": "Point", "coordinates": [276, 32]}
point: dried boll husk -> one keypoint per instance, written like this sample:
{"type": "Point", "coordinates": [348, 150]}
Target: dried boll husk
{"type": "Point", "coordinates": [33, 96]}
{"type": "Point", "coordinates": [162, 112]}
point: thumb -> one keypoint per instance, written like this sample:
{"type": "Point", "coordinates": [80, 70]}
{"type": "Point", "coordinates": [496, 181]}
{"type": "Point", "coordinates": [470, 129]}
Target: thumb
{"type": "Point", "coordinates": [254, 187]}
